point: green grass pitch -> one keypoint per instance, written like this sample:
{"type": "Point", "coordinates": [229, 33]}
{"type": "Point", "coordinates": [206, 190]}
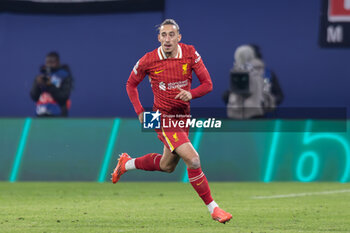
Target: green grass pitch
{"type": "Point", "coordinates": [171, 207]}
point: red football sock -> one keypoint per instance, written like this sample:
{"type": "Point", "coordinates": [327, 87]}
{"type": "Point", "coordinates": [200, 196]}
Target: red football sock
{"type": "Point", "coordinates": [149, 162]}
{"type": "Point", "coordinates": [200, 183]}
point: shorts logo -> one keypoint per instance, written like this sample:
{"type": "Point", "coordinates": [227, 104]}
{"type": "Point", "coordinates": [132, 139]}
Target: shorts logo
{"type": "Point", "coordinates": [184, 68]}
{"type": "Point", "coordinates": [162, 86]}
{"type": "Point", "coordinates": [175, 137]}
{"type": "Point", "coordinates": [151, 120]}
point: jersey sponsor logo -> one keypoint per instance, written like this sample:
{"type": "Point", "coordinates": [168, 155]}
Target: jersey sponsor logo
{"type": "Point", "coordinates": [198, 57]}
{"type": "Point", "coordinates": [184, 69]}
{"type": "Point", "coordinates": [162, 86]}
{"type": "Point", "coordinates": [159, 71]}
{"type": "Point", "coordinates": [180, 84]}
{"type": "Point", "coordinates": [339, 10]}
{"type": "Point", "coordinates": [151, 120]}
{"type": "Point", "coordinates": [136, 66]}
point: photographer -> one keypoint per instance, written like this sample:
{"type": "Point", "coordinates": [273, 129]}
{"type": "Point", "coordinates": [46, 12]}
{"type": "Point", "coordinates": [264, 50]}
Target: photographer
{"type": "Point", "coordinates": [52, 87]}
{"type": "Point", "coordinates": [254, 89]}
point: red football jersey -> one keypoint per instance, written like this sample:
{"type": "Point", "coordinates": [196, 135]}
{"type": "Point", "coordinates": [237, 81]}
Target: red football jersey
{"type": "Point", "coordinates": [165, 75]}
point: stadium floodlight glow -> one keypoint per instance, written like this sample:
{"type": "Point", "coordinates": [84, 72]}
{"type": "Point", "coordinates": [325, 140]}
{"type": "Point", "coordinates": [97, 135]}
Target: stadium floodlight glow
{"type": "Point", "coordinates": [20, 150]}
{"type": "Point", "coordinates": [272, 153]}
{"type": "Point", "coordinates": [197, 138]}
{"type": "Point", "coordinates": [109, 150]}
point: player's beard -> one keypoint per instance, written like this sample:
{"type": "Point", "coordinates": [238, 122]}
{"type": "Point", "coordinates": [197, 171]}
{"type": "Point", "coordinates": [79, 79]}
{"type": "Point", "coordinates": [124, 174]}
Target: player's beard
{"type": "Point", "coordinates": [169, 53]}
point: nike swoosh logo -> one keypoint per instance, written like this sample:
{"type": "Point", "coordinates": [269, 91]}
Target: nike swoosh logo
{"type": "Point", "coordinates": [200, 182]}
{"type": "Point", "coordinates": [157, 72]}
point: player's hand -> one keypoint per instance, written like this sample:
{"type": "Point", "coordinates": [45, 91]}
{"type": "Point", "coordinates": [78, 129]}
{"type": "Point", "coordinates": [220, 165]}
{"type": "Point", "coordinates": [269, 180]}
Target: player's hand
{"type": "Point", "coordinates": [39, 79]}
{"type": "Point", "coordinates": [183, 95]}
{"type": "Point", "coordinates": [141, 117]}
{"type": "Point", "coordinates": [48, 82]}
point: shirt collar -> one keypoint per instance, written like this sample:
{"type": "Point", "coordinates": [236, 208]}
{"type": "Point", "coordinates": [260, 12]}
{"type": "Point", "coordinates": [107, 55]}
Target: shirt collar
{"type": "Point", "coordinates": [162, 55]}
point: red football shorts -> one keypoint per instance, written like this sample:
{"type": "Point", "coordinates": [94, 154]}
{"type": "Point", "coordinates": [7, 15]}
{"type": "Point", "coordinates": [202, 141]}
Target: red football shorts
{"type": "Point", "coordinates": [173, 137]}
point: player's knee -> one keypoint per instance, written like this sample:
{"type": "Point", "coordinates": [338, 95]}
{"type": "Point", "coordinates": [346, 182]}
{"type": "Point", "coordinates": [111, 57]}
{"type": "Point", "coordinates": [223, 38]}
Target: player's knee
{"type": "Point", "coordinates": [194, 163]}
{"type": "Point", "coordinates": [167, 168]}
{"type": "Point", "coordinates": [170, 170]}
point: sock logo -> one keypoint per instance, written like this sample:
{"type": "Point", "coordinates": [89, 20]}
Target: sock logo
{"type": "Point", "coordinates": [200, 183]}
{"type": "Point", "coordinates": [151, 120]}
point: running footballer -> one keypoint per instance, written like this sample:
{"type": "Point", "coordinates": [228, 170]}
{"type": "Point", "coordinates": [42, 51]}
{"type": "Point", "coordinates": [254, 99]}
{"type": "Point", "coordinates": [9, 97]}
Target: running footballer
{"type": "Point", "coordinates": [169, 69]}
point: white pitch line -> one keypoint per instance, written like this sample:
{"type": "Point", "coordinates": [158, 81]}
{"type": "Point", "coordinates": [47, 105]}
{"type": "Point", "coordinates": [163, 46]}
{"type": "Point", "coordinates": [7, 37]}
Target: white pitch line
{"type": "Point", "coordinates": [301, 194]}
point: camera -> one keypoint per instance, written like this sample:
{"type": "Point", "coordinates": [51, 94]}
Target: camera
{"type": "Point", "coordinates": [46, 71]}
{"type": "Point", "coordinates": [239, 82]}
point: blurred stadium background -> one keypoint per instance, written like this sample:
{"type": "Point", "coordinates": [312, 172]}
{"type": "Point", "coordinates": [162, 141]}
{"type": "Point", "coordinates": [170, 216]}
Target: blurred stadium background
{"type": "Point", "coordinates": [102, 40]}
